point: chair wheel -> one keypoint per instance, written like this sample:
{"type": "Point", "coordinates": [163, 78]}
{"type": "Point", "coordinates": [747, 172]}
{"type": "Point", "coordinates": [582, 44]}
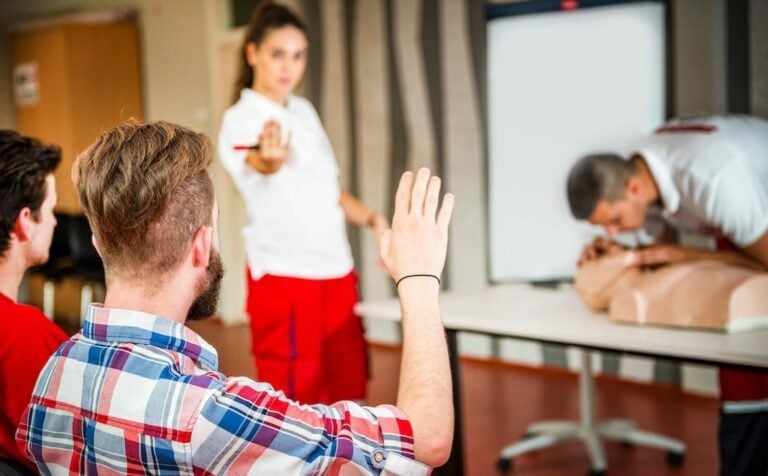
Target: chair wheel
{"type": "Point", "coordinates": [675, 458]}
{"type": "Point", "coordinates": [504, 465]}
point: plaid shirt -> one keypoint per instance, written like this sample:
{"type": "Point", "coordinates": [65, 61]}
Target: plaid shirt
{"type": "Point", "coordinates": [137, 393]}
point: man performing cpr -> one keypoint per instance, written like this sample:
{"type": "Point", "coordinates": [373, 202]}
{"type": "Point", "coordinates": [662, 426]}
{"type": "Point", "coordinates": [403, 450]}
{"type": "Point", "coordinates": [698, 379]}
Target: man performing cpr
{"type": "Point", "coordinates": [704, 175]}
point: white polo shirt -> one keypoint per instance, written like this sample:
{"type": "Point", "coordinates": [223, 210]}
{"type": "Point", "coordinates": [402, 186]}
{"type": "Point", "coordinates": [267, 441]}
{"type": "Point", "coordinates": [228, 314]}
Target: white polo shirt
{"type": "Point", "coordinates": [296, 226]}
{"type": "Point", "coordinates": [712, 175]}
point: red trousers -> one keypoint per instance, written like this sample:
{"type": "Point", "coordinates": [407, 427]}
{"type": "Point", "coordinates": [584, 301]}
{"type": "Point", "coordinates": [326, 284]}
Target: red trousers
{"type": "Point", "coordinates": [306, 339]}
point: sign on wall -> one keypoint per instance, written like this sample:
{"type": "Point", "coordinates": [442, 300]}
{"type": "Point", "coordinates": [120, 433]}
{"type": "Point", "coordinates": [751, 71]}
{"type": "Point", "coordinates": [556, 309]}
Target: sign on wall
{"type": "Point", "coordinates": [26, 84]}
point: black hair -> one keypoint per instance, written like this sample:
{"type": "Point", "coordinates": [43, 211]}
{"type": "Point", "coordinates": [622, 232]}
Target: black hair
{"type": "Point", "coordinates": [24, 165]}
{"type": "Point", "coordinates": [597, 177]}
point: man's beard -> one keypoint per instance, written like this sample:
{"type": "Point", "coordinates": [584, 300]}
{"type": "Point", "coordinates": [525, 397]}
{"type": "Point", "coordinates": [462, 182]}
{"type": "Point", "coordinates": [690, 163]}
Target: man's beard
{"type": "Point", "coordinates": [204, 305]}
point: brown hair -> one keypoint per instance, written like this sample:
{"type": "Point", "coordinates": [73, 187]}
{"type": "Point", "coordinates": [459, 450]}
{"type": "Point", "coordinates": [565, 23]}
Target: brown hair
{"type": "Point", "coordinates": [146, 191]}
{"type": "Point", "coordinates": [267, 16]}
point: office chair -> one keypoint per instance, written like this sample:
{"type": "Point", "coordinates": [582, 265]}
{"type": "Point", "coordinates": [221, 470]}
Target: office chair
{"type": "Point", "coordinates": [59, 262]}
{"type": "Point", "coordinates": [86, 262]}
{"type": "Point", "coordinates": [12, 468]}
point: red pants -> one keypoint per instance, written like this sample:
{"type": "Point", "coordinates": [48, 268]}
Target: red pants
{"type": "Point", "coordinates": [306, 339]}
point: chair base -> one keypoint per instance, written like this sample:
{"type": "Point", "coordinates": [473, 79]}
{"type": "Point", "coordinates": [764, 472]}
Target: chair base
{"type": "Point", "coordinates": [549, 433]}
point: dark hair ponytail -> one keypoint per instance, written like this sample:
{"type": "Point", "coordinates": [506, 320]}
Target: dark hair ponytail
{"type": "Point", "coordinates": [267, 16]}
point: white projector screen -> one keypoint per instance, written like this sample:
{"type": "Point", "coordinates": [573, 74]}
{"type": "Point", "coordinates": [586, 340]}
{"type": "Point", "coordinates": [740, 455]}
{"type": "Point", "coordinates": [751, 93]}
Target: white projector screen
{"type": "Point", "coordinates": [561, 85]}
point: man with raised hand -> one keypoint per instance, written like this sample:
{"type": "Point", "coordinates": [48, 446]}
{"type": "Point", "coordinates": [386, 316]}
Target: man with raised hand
{"type": "Point", "coordinates": [139, 392]}
{"type": "Point", "coordinates": [27, 199]}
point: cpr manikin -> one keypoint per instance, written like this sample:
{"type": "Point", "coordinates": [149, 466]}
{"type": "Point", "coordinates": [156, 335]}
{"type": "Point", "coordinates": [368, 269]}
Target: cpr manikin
{"type": "Point", "coordinates": [700, 294]}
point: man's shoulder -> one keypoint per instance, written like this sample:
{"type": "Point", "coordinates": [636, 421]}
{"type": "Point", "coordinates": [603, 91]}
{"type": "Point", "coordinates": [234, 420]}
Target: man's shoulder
{"type": "Point", "coordinates": [19, 317]}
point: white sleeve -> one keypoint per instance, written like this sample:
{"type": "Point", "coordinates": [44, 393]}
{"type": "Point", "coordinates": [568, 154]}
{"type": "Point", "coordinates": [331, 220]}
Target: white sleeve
{"type": "Point", "coordinates": [736, 203]}
{"type": "Point", "coordinates": [234, 131]}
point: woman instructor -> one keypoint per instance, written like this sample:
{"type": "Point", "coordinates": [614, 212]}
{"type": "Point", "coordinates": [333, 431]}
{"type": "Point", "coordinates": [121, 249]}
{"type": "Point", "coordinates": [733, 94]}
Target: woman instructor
{"type": "Point", "coordinates": [306, 339]}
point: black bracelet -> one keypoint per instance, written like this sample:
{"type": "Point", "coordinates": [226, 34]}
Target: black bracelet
{"type": "Point", "coordinates": [417, 276]}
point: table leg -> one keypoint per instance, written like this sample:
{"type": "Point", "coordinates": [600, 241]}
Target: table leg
{"type": "Point", "coordinates": [589, 427]}
{"type": "Point", "coordinates": [455, 464]}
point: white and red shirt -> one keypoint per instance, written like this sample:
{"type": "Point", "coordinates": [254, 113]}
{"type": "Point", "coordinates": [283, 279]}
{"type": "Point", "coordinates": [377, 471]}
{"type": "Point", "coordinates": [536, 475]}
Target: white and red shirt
{"type": "Point", "coordinates": [712, 174]}
{"type": "Point", "coordinates": [296, 226]}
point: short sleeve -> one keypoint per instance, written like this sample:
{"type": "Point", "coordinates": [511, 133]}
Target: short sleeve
{"type": "Point", "coordinates": [737, 204]}
{"type": "Point", "coordinates": [246, 426]}
{"type": "Point", "coordinates": [230, 135]}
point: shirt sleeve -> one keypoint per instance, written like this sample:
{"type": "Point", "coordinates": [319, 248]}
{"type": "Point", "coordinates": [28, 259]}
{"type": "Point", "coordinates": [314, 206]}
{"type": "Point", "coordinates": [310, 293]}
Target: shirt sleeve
{"type": "Point", "coordinates": [737, 204]}
{"type": "Point", "coordinates": [246, 425]}
{"type": "Point", "coordinates": [22, 365]}
{"type": "Point", "coordinates": [233, 133]}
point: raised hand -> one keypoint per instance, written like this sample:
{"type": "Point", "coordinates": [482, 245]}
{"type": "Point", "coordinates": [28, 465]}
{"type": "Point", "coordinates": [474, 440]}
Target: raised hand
{"type": "Point", "coordinates": [273, 150]}
{"type": "Point", "coordinates": [418, 239]}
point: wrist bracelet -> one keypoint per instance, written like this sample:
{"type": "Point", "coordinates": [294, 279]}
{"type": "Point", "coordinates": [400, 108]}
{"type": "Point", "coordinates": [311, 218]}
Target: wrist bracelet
{"type": "Point", "coordinates": [417, 276]}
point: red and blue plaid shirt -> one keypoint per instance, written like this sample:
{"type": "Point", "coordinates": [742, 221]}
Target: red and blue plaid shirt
{"type": "Point", "coordinates": [137, 393]}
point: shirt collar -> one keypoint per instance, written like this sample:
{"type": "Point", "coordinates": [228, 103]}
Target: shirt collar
{"type": "Point", "coordinates": [122, 325]}
{"type": "Point", "coordinates": [256, 98]}
{"type": "Point", "coordinates": [670, 196]}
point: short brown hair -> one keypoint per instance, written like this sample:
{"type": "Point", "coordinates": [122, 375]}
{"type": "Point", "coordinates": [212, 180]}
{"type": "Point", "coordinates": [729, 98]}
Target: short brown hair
{"type": "Point", "coordinates": [146, 191]}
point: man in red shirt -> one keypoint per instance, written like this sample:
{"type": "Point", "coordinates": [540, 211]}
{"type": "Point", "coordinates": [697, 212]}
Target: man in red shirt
{"type": "Point", "coordinates": [28, 338]}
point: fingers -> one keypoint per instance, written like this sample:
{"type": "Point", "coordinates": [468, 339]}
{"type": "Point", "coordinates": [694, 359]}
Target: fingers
{"type": "Point", "coordinates": [444, 217]}
{"type": "Point", "coordinates": [419, 191]}
{"type": "Point", "coordinates": [271, 146]}
{"type": "Point", "coordinates": [649, 257]}
{"type": "Point", "coordinates": [273, 130]}
{"type": "Point", "coordinates": [652, 256]}
{"type": "Point", "coordinates": [403, 195]}
{"type": "Point", "coordinates": [420, 194]}
{"type": "Point", "coordinates": [433, 197]}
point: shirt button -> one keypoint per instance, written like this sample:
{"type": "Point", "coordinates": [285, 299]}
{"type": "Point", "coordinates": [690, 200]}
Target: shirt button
{"type": "Point", "coordinates": [378, 456]}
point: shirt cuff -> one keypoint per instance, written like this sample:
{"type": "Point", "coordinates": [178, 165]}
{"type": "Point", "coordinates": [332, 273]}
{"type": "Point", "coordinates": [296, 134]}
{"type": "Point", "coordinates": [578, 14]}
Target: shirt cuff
{"type": "Point", "coordinates": [398, 465]}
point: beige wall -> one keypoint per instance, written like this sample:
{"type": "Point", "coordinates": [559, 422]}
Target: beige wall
{"type": "Point", "coordinates": [759, 57]}
{"type": "Point", "coordinates": [179, 58]}
{"type": "Point", "coordinates": [700, 61]}
{"type": "Point", "coordinates": [6, 105]}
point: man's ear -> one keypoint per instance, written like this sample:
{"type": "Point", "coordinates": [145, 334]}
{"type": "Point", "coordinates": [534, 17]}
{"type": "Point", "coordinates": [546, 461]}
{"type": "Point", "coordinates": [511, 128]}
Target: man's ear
{"type": "Point", "coordinates": [22, 227]}
{"type": "Point", "coordinates": [632, 187]}
{"type": "Point", "coordinates": [201, 246]}
{"type": "Point", "coordinates": [96, 245]}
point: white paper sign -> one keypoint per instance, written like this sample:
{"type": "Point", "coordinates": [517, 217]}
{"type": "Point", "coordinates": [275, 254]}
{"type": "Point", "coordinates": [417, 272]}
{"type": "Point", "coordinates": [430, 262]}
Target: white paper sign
{"type": "Point", "coordinates": [26, 84]}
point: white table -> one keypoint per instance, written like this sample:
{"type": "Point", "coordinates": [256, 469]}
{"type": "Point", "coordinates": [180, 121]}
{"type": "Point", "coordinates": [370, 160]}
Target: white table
{"type": "Point", "coordinates": [558, 316]}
